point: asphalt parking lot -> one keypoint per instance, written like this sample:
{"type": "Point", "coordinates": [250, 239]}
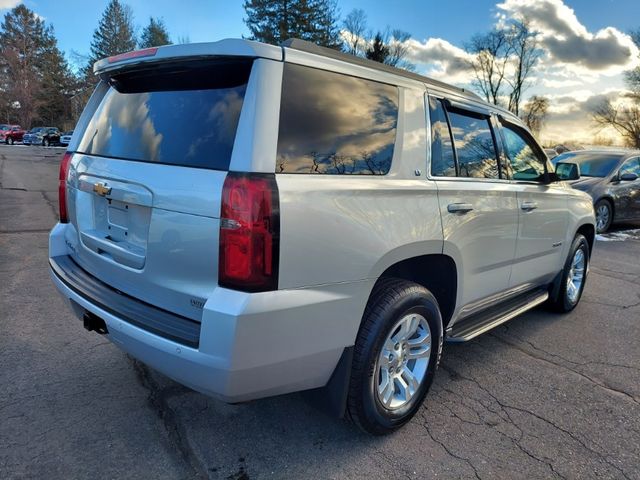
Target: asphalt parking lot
{"type": "Point", "coordinates": [544, 396]}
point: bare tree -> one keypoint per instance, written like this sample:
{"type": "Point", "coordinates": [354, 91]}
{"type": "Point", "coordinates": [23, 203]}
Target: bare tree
{"type": "Point", "coordinates": [534, 113]}
{"type": "Point", "coordinates": [491, 52]}
{"type": "Point", "coordinates": [398, 49]}
{"type": "Point", "coordinates": [624, 119]}
{"type": "Point", "coordinates": [389, 47]}
{"type": "Point", "coordinates": [354, 28]}
{"type": "Point", "coordinates": [525, 49]}
{"type": "Point", "coordinates": [504, 60]}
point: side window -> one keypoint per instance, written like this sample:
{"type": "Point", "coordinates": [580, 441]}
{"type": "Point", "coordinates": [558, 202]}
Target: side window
{"type": "Point", "coordinates": [526, 162]}
{"type": "Point", "coordinates": [473, 140]}
{"type": "Point", "coordinates": [631, 166]}
{"type": "Point", "coordinates": [335, 124]}
{"type": "Point", "coordinates": [443, 162]}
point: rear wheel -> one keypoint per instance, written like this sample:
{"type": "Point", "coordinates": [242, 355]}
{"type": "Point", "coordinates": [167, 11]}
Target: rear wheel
{"type": "Point", "coordinates": [574, 276]}
{"type": "Point", "coordinates": [604, 215]}
{"type": "Point", "coordinates": [395, 356]}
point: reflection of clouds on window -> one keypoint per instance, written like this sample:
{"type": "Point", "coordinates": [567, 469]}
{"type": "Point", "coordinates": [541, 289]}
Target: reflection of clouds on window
{"type": "Point", "coordinates": [524, 163]}
{"type": "Point", "coordinates": [182, 127]}
{"type": "Point", "coordinates": [335, 124]}
{"type": "Point", "coordinates": [442, 158]}
{"type": "Point", "coordinates": [474, 146]}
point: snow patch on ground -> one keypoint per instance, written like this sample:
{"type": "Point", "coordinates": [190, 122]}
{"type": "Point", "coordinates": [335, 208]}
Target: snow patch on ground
{"type": "Point", "coordinates": [620, 236]}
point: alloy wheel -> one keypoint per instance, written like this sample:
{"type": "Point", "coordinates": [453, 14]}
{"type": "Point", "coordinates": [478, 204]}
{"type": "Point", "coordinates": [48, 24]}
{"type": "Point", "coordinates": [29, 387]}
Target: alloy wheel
{"type": "Point", "coordinates": [402, 363]}
{"type": "Point", "coordinates": [602, 217]}
{"type": "Point", "coordinates": [576, 275]}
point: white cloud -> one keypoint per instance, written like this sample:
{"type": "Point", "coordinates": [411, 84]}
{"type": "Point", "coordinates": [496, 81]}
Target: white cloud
{"type": "Point", "coordinates": [570, 115]}
{"type": "Point", "coordinates": [441, 59]}
{"type": "Point", "coordinates": [5, 4]}
{"type": "Point", "coordinates": [567, 41]}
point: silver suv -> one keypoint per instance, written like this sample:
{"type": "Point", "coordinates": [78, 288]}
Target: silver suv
{"type": "Point", "coordinates": [254, 220]}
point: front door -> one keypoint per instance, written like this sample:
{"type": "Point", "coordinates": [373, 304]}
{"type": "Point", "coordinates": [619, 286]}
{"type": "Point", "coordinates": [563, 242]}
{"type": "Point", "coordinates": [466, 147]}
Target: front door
{"type": "Point", "coordinates": [542, 210]}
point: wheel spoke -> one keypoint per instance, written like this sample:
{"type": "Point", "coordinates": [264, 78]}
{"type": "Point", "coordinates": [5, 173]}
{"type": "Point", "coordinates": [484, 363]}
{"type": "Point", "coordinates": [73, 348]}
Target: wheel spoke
{"type": "Point", "coordinates": [419, 347]}
{"type": "Point", "coordinates": [408, 383]}
{"type": "Point", "coordinates": [386, 389]}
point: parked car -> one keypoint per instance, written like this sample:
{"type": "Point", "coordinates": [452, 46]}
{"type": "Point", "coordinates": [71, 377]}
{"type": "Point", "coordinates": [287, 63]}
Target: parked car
{"type": "Point", "coordinates": [305, 233]}
{"type": "Point", "coordinates": [612, 178]}
{"type": "Point", "coordinates": [13, 134]}
{"type": "Point", "coordinates": [65, 138]}
{"type": "Point", "coordinates": [33, 136]}
{"type": "Point", "coordinates": [44, 136]}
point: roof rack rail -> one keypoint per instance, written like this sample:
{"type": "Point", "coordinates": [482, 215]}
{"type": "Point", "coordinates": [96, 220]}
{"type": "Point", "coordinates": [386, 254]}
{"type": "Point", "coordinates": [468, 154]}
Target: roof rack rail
{"type": "Point", "coordinates": [309, 47]}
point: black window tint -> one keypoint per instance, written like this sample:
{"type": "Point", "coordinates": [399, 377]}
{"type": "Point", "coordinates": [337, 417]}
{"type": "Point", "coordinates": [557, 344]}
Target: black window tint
{"type": "Point", "coordinates": [335, 124]}
{"type": "Point", "coordinates": [474, 146]}
{"type": "Point", "coordinates": [442, 158]}
{"type": "Point", "coordinates": [525, 163]}
{"type": "Point", "coordinates": [182, 114]}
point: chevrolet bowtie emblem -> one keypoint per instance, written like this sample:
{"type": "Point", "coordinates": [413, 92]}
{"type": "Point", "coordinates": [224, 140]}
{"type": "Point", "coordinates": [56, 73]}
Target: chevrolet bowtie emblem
{"type": "Point", "coordinates": [101, 189]}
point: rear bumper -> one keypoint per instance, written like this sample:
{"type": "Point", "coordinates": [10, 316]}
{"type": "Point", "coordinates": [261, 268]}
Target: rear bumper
{"type": "Point", "coordinates": [249, 346]}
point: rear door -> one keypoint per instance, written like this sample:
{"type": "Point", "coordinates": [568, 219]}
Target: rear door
{"type": "Point", "coordinates": [145, 182]}
{"type": "Point", "coordinates": [542, 209]}
{"type": "Point", "coordinates": [478, 207]}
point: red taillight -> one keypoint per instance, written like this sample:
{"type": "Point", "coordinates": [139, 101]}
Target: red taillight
{"type": "Point", "coordinates": [249, 232]}
{"type": "Point", "coordinates": [62, 187]}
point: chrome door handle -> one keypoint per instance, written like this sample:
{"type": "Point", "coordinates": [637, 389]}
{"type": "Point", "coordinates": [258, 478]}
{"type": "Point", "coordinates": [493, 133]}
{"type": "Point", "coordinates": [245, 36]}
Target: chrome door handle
{"type": "Point", "coordinates": [459, 207]}
{"type": "Point", "coordinates": [528, 206]}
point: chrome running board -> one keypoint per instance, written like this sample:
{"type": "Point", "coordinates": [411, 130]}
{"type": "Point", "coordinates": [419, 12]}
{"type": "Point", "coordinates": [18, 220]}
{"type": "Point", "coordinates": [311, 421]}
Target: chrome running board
{"type": "Point", "coordinates": [483, 321]}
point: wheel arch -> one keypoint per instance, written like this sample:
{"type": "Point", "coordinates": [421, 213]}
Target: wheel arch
{"type": "Point", "coordinates": [589, 232]}
{"type": "Point", "coordinates": [436, 272]}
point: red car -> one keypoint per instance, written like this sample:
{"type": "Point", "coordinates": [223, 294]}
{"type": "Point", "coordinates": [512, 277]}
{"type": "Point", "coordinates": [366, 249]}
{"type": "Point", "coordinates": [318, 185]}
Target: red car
{"type": "Point", "coordinates": [11, 133]}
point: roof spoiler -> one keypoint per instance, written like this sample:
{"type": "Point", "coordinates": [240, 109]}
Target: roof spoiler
{"type": "Point", "coordinates": [230, 47]}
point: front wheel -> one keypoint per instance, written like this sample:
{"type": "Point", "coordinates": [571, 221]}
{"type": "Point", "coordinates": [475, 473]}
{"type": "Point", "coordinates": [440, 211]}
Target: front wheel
{"type": "Point", "coordinates": [11, 141]}
{"type": "Point", "coordinates": [574, 276]}
{"type": "Point", "coordinates": [395, 356]}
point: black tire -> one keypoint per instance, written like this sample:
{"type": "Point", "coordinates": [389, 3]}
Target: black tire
{"type": "Point", "coordinates": [11, 140]}
{"type": "Point", "coordinates": [390, 300]}
{"type": "Point", "coordinates": [604, 204]}
{"type": "Point", "coordinates": [563, 303]}
{"type": "Point", "coordinates": [43, 142]}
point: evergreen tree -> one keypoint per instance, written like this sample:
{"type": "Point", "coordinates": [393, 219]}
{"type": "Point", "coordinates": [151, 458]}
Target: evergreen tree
{"type": "Point", "coordinates": [378, 51]}
{"type": "Point", "coordinates": [274, 21]}
{"type": "Point", "coordinates": [34, 76]}
{"type": "Point", "coordinates": [57, 87]}
{"type": "Point", "coordinates": [114, 34]}
{"type": "Point", "coordinates": [154, 34]}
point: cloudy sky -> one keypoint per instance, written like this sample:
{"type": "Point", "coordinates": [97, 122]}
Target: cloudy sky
{"type": "Point", "coordinates": [585, 42]}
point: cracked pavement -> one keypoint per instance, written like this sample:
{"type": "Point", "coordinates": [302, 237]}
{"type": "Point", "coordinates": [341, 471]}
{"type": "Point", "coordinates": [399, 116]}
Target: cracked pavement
{"type": "Point", "coordinates": [543, 396]}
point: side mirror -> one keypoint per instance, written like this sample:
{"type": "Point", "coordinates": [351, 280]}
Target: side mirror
{"type": "Point", "coordinates": [568, 171]}
{"type": "Point", "coordinates": [628, 177]}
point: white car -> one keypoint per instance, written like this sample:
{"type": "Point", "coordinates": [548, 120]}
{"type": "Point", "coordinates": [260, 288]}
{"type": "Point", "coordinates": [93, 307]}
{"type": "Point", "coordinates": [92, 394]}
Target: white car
{"type": "Point", "coordinates": [65, 138]}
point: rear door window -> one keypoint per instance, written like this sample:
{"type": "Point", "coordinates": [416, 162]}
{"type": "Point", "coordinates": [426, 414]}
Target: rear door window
{"type": "Point", "coordinates": [178, 114]}
{"type": "Point", "coordinates": [335, 124]}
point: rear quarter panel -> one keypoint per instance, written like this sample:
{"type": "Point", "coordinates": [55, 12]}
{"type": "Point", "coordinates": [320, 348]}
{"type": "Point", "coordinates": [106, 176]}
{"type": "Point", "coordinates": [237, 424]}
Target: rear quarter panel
{"type": "Point", "coordinates": [347, 228]}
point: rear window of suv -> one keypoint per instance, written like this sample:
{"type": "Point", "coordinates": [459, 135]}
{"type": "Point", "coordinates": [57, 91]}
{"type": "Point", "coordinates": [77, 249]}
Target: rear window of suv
{"type": "Point", "coordinates": [179, 114]}
{"type": "Point", "coordinates": [335, 124]}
